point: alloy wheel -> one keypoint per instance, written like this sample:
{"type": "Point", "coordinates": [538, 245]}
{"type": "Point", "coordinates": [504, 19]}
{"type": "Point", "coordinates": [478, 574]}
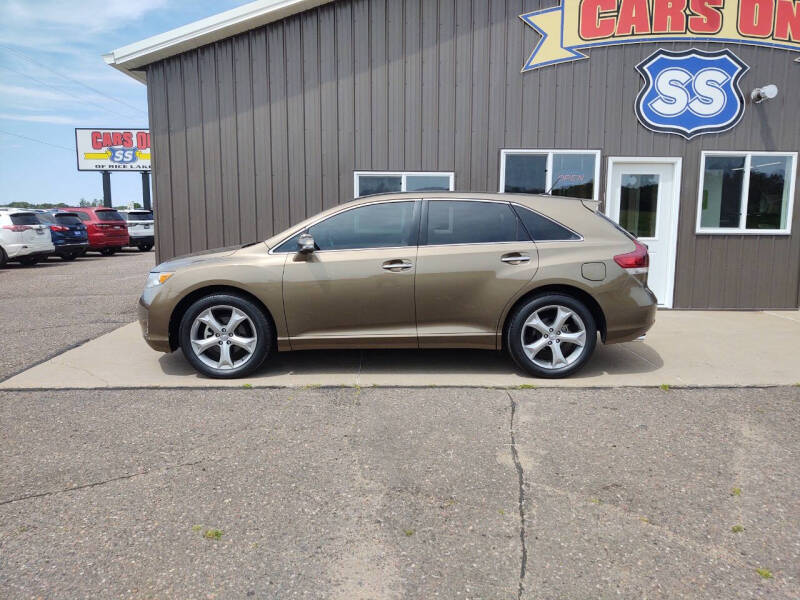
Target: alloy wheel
{"type": "Point", "coordinates": [223, 337]}
{"type": "Point", "coordinates": [553, 337]}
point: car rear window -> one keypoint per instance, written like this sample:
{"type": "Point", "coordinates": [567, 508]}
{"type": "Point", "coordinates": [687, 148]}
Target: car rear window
{"type": "Point", "coordinates": [25, 219]}
{"type": "Point", "coordinates": [71, 219]}
{"type": "Point", "coordinates": [108, 215]}
{"type": "Point", "coordinates": [140, 216]}
{"type": "Point", "coordinates": [543, 229]}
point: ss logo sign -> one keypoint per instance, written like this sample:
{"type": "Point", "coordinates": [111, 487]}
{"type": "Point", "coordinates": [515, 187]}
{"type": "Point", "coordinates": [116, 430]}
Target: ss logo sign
{"type": "Point", "coordinates": [690, 92]}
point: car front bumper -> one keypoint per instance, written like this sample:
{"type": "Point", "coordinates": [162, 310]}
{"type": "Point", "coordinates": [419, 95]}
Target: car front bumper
{"type": "Point", "coordinates": [156, 341]}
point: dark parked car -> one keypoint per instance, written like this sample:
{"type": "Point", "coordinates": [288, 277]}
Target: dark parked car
{"type": "Point", "coordinates": [107, 229]}
{"type": "Point", "coordinates": [70, 237]}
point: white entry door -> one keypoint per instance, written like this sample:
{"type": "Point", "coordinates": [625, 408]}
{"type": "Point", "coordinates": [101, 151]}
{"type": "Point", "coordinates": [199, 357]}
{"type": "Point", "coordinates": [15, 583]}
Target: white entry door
{"type": "Point", "coordinates": [643, 197]}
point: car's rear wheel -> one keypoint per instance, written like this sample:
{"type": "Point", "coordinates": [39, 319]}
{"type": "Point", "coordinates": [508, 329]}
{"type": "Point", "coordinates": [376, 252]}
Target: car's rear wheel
{"type": "Point", "coordinates": [145, 247]}
{"type": "Point", "coordinates": [29, 261]}
{"type": "Point", "coordinates": [551, 335]}
{"type": "Point", "coordinates": [225, 336]}
{"type": "Point", "coordinates": [69, 256]}
{"type": "Point", "coordinates": [108, 251]}
{"type": "Point", "coordinates": [3, 258]}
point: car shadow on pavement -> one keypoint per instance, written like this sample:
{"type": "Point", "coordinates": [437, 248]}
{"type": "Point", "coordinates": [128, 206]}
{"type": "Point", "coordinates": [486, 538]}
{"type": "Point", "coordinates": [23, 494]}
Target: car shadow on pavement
{"type": "Point", "coordinates": [619, 359]}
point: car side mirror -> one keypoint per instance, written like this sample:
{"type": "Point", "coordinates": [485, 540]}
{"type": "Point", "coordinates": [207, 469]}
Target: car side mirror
{"type": "Point", "coordinates": [305, 243]}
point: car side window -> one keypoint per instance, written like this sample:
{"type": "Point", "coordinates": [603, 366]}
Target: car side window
{"type": "Point", "coordinates": [543, 229]}
{"type": "Point", "coordinates": [385, 225]}
{"type": "Point", "coordinates": [83, 216]}
{"type": "Point", "coordinates": [471, 222]}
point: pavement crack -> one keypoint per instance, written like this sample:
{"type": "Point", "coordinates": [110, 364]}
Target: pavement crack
{"type": "Point", "coordinates": [98, 483]}
{"type": "Point", "coordinates": [521, 484]}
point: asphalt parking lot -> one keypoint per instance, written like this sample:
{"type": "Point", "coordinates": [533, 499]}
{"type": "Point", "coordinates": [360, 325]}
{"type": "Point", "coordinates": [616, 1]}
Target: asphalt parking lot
{"type": "Point", "coordinates": [362, 492]}
{"type": "Point", "coordinates": [56, 305]}
{"type": "Point", "coordinates": [397, 493]}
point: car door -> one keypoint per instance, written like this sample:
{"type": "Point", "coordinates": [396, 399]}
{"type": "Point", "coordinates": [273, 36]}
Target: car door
{"type": "Point", "coordinates": [474, 256]}
{"type": "Point", "coordinates": [357, 288]}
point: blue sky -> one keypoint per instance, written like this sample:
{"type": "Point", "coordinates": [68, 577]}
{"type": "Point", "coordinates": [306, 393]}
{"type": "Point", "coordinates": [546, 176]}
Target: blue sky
{"type": "Point", "coordinates": [53, 79]}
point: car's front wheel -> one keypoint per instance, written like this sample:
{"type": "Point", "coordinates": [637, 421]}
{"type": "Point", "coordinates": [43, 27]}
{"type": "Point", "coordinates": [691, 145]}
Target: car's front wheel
{"type": "Point", "coordinates": [225, 336]}
{"type": "Point", "coordinates": [551, 335]}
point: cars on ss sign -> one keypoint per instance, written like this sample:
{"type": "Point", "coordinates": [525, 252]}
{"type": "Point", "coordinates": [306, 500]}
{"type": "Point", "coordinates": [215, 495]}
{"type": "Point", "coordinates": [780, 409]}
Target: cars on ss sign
{"type": "Point", "coordinates": [537, 275]}
{"type": "Point", "coordinates": [70, 237]}
{"type": "Point", "coordinates": [108, 232]}
{"type": "Point", "coordinates": [23, 238]}
{"type": "Point", "coordinates": [140, 228]}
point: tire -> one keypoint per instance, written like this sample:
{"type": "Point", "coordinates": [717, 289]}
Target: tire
{"type": "Point", "coordinates": [29, 261]}
{"type": "Point", "coordinates": [255, 325]}
{"type": "Point", "coordinates": [546, 353]}
{"type": "Point", "coordinates": [145, 247]}
{"type": "Point", "coordinates": [3, 258]}
{"type": "Point", "coordinates": [108, 251]}
{"type": "Point", "coordinates": [69, 256]}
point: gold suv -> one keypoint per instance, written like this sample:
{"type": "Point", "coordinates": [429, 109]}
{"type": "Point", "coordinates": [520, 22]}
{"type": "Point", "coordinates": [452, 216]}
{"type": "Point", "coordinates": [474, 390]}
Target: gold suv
{"type": "Point", "coordinates": [538, 275]}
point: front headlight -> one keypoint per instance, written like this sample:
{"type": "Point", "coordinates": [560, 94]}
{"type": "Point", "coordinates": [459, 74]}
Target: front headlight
{"type": "Point", "coordinates": [156, 279]}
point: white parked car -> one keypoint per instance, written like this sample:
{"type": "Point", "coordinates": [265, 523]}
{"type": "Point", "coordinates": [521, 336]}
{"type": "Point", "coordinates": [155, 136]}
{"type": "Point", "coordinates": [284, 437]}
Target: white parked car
{"type": "Point", "coordinates": [140, 228]}
{"type": "Point", "coordinates": [23, 238]}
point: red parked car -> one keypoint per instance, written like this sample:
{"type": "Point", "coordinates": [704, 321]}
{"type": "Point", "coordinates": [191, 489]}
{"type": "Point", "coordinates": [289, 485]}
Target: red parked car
{"type": "Point", "coordinates": [108, 231]}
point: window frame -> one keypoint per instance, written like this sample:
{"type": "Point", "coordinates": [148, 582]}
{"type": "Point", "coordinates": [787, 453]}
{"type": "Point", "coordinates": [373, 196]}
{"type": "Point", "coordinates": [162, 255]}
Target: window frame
{"type": "Point", "coordinates": [417, 209]}
{"type": "Point", "coordinates": [548, 181]}
{"type": "Point", "coordinates": [403, 181]}
{"type": "Point", "coordinates": [742, 228]}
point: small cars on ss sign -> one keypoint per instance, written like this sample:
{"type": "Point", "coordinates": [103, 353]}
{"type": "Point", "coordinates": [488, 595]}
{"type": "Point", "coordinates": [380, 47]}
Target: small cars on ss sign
{"type": "Point", "coordinates": [536, 275]}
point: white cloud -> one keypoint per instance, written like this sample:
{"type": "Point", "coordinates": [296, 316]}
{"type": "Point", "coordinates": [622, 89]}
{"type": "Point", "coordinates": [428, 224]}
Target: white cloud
{"type": "Point", "coordinates": [56, 119]}
{"type": "Point", "coordinates": [91, 16]}
{"type": "Point", "coordinates": [37, 93]}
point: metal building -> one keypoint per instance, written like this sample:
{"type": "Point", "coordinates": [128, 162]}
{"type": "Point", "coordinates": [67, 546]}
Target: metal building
{"type": "Point", "coordinates": [682, 122]}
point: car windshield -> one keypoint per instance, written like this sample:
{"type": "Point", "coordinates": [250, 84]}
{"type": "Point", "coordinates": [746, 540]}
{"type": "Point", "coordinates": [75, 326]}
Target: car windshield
{"type": "Point", "coordinates": [25, 219]}
{"type": "Point", "coordinates": [108, 215]}
{"type": "Point", "coordinates": [69, 219]}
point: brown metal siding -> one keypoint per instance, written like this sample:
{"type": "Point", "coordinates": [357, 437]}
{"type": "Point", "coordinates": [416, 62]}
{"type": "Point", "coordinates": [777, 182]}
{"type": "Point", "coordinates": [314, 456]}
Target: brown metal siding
{"type": "Point", "coordinates": [258, 131]}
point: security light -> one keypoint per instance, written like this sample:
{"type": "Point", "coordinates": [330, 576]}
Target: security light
{"type": "Point", "coordinates": [768, 92]}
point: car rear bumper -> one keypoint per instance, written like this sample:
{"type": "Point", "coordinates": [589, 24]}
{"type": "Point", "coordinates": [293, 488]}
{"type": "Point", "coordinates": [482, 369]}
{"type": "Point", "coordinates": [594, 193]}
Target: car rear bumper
{"type": "Point", "coordinates": [154, 340]}
{"type": "Point", "coordinates": [633, 315]}
{"type": "Point", "coordinates": [138, 240]}
{"type": "Point", "coordinates": [97, 242]}
{"type": "Point", "coordinates": [21, 250]}
{"type": "Point", "coordinates": [71, 247]}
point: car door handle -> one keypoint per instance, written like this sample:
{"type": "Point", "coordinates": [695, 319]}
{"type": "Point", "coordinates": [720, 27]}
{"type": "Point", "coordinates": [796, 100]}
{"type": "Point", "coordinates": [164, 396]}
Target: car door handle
{"type": "Point", "coordinates": [515, 258]}
{"type": "Point", "coordinates": [397, 265]}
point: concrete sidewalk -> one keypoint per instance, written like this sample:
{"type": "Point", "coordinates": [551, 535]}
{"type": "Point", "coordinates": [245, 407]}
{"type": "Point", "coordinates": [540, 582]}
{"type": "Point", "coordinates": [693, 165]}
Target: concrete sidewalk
{"type": "Point", "coordinates": [690, 348]}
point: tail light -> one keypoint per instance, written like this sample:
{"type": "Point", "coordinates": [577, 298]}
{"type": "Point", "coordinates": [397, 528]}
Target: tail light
{"type": "Point", "coordinates": [58, 228]}
{"type": "Point", "coordinates": [634, 262]}
{"type": "Point", "coordinates": [17, 228]}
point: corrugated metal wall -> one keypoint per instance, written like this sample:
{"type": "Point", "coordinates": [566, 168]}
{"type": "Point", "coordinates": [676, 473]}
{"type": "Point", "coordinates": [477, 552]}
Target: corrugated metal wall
{"type": "Point", "coordinates": [256, 132]}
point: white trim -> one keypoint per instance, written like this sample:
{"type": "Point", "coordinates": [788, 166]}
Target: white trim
{"type": "Point", "coordinates": [549, 167]}
{"type": "Point", "coordinates": [403, 179]}
{"type": "Point", "coordinates": [205, 31]}
{"type": "Point", "coordinates": [672, 255]}
{"type": "Point", "coordinates": [742, 230]}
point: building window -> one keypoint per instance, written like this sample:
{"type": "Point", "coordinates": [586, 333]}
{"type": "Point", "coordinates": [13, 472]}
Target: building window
{"type": "Point", "coordinates": [746, 192]}
{"type": "Point", "coordinates": [368, 183]}
{"type": "Point", "coordinates": [572, 173]}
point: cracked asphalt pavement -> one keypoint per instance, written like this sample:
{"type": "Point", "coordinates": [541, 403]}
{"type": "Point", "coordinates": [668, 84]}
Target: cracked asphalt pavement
{"type": "Point", "coordinates": [400, 493]}
{"type": "Point", "coordinates": [55, 305]}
